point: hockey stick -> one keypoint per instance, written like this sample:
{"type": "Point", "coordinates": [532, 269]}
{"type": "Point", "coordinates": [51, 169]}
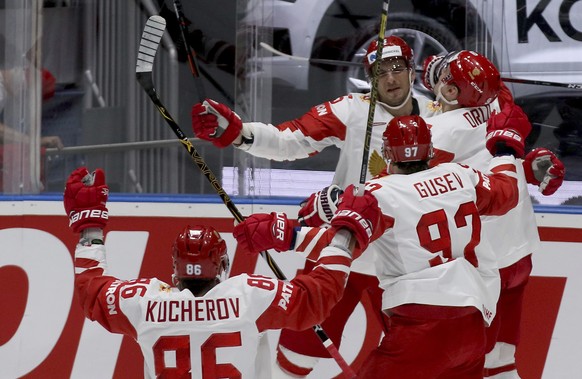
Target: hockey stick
{"type": "Point", "coordinates": [309, 60]}
{"type": "Point", "coordinates": [334, 62]}
{"type": "Point", "coordinates": [148, 46]}
{"type": "Point", "coordinates": [195, 69]}
{"type": "Point", "coordinates": [192, 63]}
{"type": "Point", "coordinates": [152, 34]}
{"type": "Point", "coordinates": [373, 96]}
{"type": "Point", "coordinates": [542, 83]}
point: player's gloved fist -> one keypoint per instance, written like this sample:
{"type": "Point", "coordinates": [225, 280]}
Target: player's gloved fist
{"type": "Point", "coordinates": [263, 231]}
{"type": "Point", "coordinates": [318, 209]}
{"type": "Point", "coordinates": [85, 199]}
{"type": "Point", "coordinates": [215, 122]}
{"type": "Point", "coordinates": [430, 72]}
{"type": "Point", "coordinates": [359, 214]}
{"type": "Point", "coordinates": [507, 131]}
{"type": "Point", "coordinates": [545, 170]}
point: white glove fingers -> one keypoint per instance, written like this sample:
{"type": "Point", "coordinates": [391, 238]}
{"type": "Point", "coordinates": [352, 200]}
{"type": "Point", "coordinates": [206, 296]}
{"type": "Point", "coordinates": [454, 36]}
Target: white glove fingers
{"type": "Point", "coordinates": [540, 167]}
{"type": "Point", "coordinates": [88, 179]}
{"type": "Point", "coordinates": [222, 122]}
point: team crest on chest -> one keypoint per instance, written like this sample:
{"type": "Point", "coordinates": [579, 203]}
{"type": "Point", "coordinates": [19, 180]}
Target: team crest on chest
{"type": "Point", "coordinates": [434, 106]}
{"type": "Point", "coordinates": [376, 164]}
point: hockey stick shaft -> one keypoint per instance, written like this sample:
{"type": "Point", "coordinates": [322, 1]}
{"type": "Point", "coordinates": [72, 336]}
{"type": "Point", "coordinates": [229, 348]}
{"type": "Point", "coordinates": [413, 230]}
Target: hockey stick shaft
{"type": "Point", "coordinates": [192, 63]}
{"type": "Point", "coordinates": [373, 96]}
{"type": "Point", "coordinates": [542, 83]}
{"type": "Point", "coordinates": [153, 31]}
{"type": "Point", "coordinates": [195, 69]}
{"type": "Point", "coordinates": [334, 62]}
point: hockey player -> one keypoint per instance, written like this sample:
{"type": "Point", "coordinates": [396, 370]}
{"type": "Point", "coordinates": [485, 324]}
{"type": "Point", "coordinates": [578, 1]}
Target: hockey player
{"type": "Point", "coordinates": [341, 122]}
{"type": "Point", "coordinates": [469, 88]}
{"type": "Point", "coordinates": [208, 327]}
{"type": "Point", "coordinates": [438, 272]}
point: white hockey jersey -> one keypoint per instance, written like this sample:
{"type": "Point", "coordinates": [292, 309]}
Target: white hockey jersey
{"type": "Point", "coordinates": [459, 136]}
{"type": "Point", "coordinates": [181, 335]}
{"type": "Point", "coordinates": [434, 252]}
{"type": "Point", "coordinates": [341, 122]}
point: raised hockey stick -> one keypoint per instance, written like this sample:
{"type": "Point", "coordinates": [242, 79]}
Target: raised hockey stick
{"type": "Point", "coordinates": [148, 47]}
{"type": "Point", "coordinates": [373, 96]}
{"type": "Point", "coordinates": [334, 62]}
{"type": "Point", "coordinates": [192, 63]}
{"type": "Point", "coordinates": [542, 83]}
{"type": "Point", "coordinates": [151, 36]}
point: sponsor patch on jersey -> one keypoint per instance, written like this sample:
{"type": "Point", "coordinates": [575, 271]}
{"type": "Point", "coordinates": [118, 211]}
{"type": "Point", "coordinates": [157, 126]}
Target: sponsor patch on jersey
{"type": "Point", "coordinates": [286, 292]}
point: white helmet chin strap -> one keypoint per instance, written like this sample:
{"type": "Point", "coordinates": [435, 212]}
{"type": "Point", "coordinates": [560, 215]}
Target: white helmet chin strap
{"type": "Point", "coordinates": [439, 95]}
{"type": "Point", "coordinates": [407, 96]}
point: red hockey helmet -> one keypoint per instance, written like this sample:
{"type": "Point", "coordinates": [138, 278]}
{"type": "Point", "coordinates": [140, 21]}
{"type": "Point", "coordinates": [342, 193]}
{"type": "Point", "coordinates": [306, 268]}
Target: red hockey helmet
{"type": "Point", "coordinates": [199, 253]}
{"type": "Point", "coordinates": [393, 48]}
{"type": "Point", "coordinates": [407, 139]}
{"type": "Point", "coordinates": [476, 77]}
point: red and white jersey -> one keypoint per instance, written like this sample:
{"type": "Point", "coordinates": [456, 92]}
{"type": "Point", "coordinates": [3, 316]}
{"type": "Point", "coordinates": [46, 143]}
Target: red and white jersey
{"type": "Point", "coordinates": [433, 251]}
{"type": "Point", "coordinates": [181, 335]}
{"type": "Point", "coordinates": [342, 123]}
{"type": "Point", "coordinates": [459, 136]}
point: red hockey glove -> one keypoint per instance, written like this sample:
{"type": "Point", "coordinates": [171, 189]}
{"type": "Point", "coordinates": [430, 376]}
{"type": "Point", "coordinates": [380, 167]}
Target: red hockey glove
{"type": "Point", "coordinates": [215, 122]}
{"type": "Point", "coordinates": [85, 198]}
{"type": "Point", "coordinates": [359, 214]}
{"type": "Point", "coordinates": [543, 169]}
{"type": "Point", "coordinates": [263, 231]}
{"type": "Point", "coordinates": [430, 72]}
{"type": "Point", "coordinates": [318, 209]}
{"type": "Point", "coordinates": [507, 131]}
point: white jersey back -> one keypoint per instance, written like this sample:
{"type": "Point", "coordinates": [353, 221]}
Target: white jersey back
{"type": "Point", "coordinates": [434, 252]}
{"type": "Point", "coordinates": [187, 336]}
{"type": "Point", "coordinates": [213, 333]}
{"type": "Point", "coordinates": [459, 136]}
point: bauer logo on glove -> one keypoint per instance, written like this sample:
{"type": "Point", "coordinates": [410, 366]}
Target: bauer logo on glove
{"type": "Point", "coordinates": [85, 199]}
{"type": "Point", "coordinates": [505, 133]}
{"type": "Point", "coordinates": [87, 214]}
{"type": "Point", "coordinates": [280, 227]}
{"type": "Point", "coordinates": [361, 215]}
{"type": "Point", "coordinates": [365, 224]}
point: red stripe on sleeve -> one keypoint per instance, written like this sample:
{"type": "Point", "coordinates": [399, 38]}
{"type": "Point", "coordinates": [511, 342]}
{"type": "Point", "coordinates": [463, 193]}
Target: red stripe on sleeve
{"type": "Point", "coordinates": [319, 123]}
{"type": "Point", "coordinates": [504, 167]}
{"type": "Point", "coordinates": [85, 262]}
